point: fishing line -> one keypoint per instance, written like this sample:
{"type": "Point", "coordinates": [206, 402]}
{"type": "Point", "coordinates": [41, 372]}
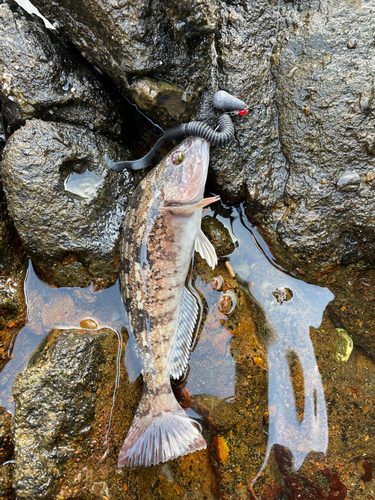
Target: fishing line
{"type": "Point", "coordinates": [141, 112]}
{"type": "Point", "coordinates": [224, 136]}
{"type": "Point", "coordinates": [117, 383]}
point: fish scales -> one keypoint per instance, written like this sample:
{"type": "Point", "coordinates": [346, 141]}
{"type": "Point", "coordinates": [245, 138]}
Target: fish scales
{"type": "Point", "coordinates": [161, 225]}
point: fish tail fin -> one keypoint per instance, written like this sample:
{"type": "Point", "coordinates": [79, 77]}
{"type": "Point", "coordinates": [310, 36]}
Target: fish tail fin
{"type": "Point", "coordinates": [158, 438]}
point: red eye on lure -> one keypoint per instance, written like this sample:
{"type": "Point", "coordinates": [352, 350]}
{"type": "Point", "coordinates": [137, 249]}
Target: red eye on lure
{"type": "Point", "coordinates": [221, 100]}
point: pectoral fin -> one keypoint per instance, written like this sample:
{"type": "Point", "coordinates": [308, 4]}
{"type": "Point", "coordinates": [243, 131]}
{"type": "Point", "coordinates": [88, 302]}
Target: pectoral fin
{"type": "Point", "coordinates": [190, 208]}
{"type": "Point", "coordinates": [205, 249]}
{"type": "Point", "coordinates": [186, 323]}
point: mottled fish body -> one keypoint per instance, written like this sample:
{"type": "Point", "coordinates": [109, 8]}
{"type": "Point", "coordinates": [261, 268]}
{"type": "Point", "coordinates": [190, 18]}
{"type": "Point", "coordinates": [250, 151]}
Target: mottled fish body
{"type": "Point", "coordinates": [161, 229]}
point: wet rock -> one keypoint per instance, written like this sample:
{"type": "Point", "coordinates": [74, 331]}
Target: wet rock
{"type": "Point", "coordinates": [327, 214]}
{"type": "Point", "coordinates": [219, 235]}
{"type": "Point", "coordinates": [58, 84]}
{"type": "Point", "coordinates": [6, 482]}
{"type": "Point", "coordinates": [201, 47]}
{"type": "Point", "coordinates": [353, 306]}
{"type": "Point", "coordinates": [192, 17]}
{"type": "Point", "coordinates": [66, 204]}
{"type": "Point", "coordinates": [164, 101]}
{"type": "Point", "coordinates": [55, 407]}
{"type": "Point", "coordinates": [127, 39]}
{"type": "Point", "coordinates": [13, 266]}
{"type": "Point", "coordinates": [6, 445]}
{"type": "Point", "coordinates": [2, 135]}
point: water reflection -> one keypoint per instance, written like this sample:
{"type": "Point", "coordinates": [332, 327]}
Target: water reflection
{"type": "Point", "coordinates": [49, 308]}
{"type": "Point", "coordinates": [291, 306]}
{"type": "Point", "coordinates": [212, 368]}
{"type": "Point", "coordinates": [84, 185]}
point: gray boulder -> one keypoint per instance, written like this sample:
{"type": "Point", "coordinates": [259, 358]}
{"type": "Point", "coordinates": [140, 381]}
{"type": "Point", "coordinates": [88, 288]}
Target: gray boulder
{"type": "Point", "coordinates": [325, 94]}
{"type": "Point", "coordinates": [55, 407]}
{"type": "Point", "coordinates": [66, 204]}
{"type": "Point", "coordinates": [201, 47]}
{"type": "Point", "coordinates": [42, 78]}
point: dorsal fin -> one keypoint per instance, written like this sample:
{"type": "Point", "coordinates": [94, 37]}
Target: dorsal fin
{"type": "Point", "coordinates": [186, 323]}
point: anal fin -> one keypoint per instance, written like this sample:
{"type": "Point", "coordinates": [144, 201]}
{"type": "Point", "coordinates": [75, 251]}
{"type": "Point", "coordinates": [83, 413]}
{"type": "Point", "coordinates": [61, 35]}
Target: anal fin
{"type": "Point", "coordinates": [186, 323]}
{"type": "Point", "coordinates": [205, 249]}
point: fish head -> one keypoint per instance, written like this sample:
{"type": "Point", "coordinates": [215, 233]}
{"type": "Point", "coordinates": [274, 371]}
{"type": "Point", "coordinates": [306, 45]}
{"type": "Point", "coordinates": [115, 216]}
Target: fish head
{"type": "Point", "coordinates": [183, 176]}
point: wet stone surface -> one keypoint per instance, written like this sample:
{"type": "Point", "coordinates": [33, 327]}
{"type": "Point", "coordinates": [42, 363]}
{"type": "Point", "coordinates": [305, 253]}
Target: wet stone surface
{"type": "Point", "coordinates": [219, 236]}
{"type": "Point", "coordinates": [66, 204]}
{"type": "Point", "coordinates": [55, 407]}
{"type": "Point", "coordinates": [6, 444]}
{"type": "Point", "coordinates": [13, 266]}
{"type": "Point", "coordinates": [325, 100]}
{"type": "Point", "coordinates": [200, 47]}
{"type": "Point", "coordinates": [163, 100]}
{"type": "Point", "coordinates": [58, 84]}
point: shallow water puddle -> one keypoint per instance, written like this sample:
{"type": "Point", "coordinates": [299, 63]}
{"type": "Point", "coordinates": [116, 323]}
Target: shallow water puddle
{"type": "Point", "coordinates": [85, 185]}
{"type": "Point", "coordinates": [290, 307]}
{"type": "Point", "coordinates": [49, 308]}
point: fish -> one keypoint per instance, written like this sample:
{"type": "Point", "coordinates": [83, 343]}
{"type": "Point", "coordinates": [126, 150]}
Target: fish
{"type": "Point", "coordinates": [161, 231]}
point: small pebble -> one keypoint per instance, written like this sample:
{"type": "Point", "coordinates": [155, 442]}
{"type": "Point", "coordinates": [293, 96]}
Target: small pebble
{"type": "Point", "coordinates": [218, 283]}
{"type": "Point", "coordinates": [258, 361]}
{"type": "Point", "coordinates": [352, 43]}
{"type": "Point", "coordinates": [228, 302]}
{"type": "Point", "coordinates": [369, 177]}
{"type": "Point", "coordinates": [343, 345]}
{"type": "Point", "coordinates": [349, 181]}
{"type": "Point", "coordinates": [88, 324]}
{"type": "Point", "coordinates": [282, 294]}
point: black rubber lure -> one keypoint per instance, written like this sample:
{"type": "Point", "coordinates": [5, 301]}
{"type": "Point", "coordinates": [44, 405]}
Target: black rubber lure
{"type": "Point", "coordinates": [222, 137]}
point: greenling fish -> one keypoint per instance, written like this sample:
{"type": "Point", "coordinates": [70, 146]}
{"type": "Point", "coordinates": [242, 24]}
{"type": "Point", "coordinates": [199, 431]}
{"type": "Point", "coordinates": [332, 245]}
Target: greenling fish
{"type": "Point", "coordinates": [162, 227]}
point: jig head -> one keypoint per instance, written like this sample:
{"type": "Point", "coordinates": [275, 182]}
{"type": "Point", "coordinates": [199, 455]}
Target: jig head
{"type": "Point", "coordinates": [222, 137]}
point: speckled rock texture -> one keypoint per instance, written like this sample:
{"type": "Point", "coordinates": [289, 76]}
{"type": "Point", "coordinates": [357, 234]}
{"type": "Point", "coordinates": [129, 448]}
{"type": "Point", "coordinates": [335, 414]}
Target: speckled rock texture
{"type": "Point", "coordinates": [66, 204]}
{"type": "Point", "coordinates": [42, 78]}
{"type": "Point", "coordinates": [55, 406]}
{"type": "Point", "coordinates": [13, 266]}
{"type": "Point", "coordinates": [302, 68]}
{"type": "Point", "coordinates": [325, 94]}
{"type": "Point", "coordinates": [201, 47]}
{"type": "Point", "coordinates": [2, 135]}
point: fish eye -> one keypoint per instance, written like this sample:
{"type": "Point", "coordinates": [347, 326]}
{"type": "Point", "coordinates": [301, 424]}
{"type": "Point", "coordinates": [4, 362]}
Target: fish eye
{"type": "Point", "coordinates": [177, 158]}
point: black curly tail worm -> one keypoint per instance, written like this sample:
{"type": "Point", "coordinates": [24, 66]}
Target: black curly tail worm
{"type": "Point", "coordinates": [222, 137]}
